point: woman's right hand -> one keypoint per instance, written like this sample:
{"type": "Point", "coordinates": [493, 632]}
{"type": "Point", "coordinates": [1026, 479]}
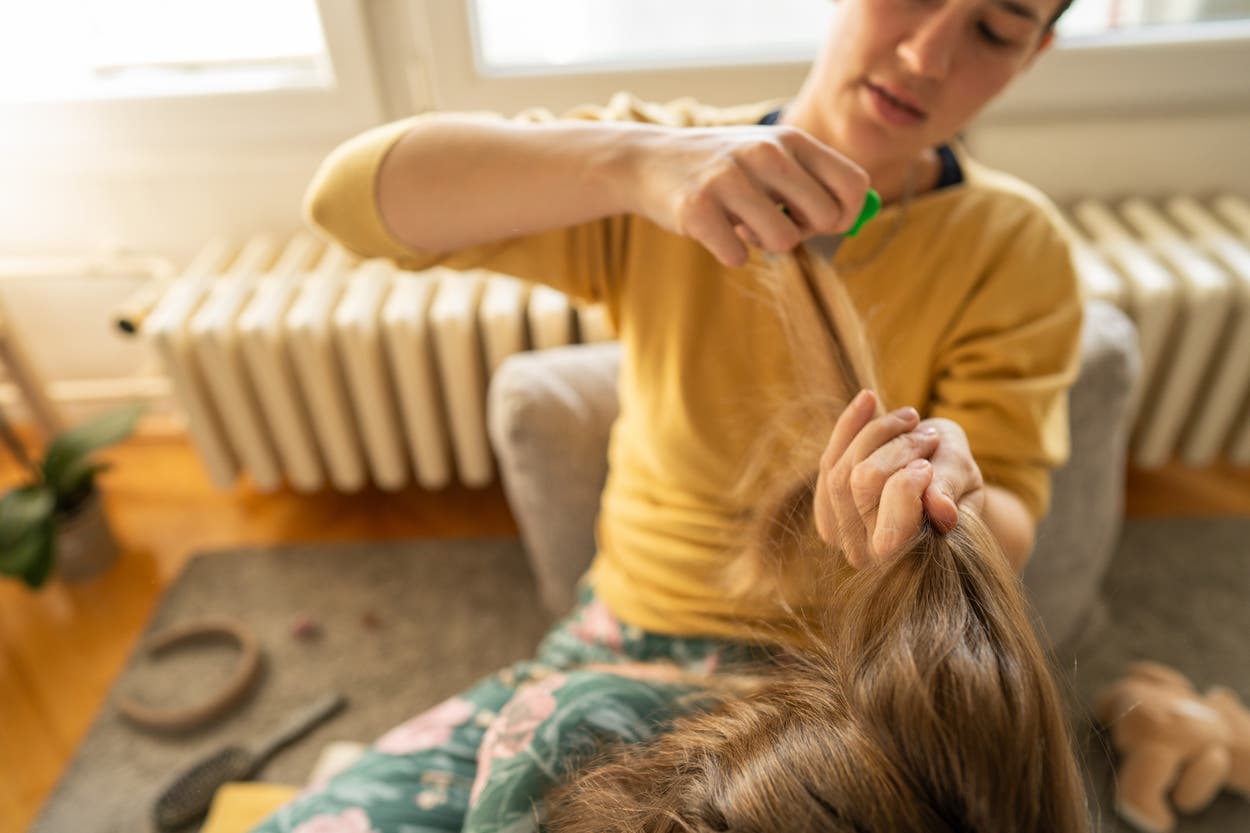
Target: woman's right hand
{"type": "Point", "coordinates": [725, 187]}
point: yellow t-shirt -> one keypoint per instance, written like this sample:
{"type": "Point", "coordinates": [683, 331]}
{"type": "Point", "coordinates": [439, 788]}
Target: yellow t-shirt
{"type": "Point", "coordinates": [970, 299]}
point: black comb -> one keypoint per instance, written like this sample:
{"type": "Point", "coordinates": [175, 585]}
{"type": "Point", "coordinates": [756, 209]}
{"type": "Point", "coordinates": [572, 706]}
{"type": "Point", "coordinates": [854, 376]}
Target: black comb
{"type": "Point", "coordinates": [187, 797]}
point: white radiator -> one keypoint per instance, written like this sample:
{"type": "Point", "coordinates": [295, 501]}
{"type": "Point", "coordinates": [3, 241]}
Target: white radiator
{"type": "Point", "coordinates": [1181, 269]}
{"type": "Point", "coordinates": [298, 365]}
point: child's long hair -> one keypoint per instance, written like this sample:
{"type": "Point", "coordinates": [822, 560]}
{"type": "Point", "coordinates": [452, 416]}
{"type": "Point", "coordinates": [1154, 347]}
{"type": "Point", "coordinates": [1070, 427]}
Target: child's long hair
{"type": "Point", "coordinates": [921, 701]}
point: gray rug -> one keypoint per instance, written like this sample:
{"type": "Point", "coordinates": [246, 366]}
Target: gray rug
{"type": "Point", "coordinates": [405, 625]}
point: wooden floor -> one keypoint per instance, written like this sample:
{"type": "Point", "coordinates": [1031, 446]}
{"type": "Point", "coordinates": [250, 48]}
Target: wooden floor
{"type": "Point", "coordinates": [60, 648]}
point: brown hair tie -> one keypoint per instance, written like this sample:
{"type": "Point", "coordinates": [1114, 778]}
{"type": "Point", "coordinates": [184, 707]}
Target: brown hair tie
{"type": "Point", "coordinates": [190, 717]}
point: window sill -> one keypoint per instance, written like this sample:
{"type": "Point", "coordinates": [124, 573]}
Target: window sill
{"type": "Point", "coordinates": [138, 84]}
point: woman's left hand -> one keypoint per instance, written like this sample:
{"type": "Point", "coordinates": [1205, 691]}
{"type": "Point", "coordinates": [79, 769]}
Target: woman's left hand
{"type": "Point", "coordinates": [872, 493]}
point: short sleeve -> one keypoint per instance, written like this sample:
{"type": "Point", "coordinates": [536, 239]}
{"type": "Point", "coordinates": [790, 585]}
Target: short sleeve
{"type": "Point", "coordinates": [1004, 371]}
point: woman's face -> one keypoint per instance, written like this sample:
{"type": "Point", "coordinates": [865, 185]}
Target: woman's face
{"type": "Point", "coordinates": [905, 75]}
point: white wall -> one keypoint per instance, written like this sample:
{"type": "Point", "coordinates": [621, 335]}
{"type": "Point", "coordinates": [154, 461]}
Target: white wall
{"type": "Point", "coordinates": [165, 203]}
{"type": "Point", "coordinates": [1148, 155]}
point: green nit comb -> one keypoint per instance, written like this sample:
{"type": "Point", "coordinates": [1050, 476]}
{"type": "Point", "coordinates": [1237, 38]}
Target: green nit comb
{"type": "Point", "coordinates": [826, 245]}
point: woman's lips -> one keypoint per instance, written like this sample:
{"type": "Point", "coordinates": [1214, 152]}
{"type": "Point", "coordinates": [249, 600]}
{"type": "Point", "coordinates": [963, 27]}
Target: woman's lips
{"type": "Point", "coordinates": [891, 109]}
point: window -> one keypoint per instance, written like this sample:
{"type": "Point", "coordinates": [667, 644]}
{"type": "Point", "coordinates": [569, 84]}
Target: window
{"type": "Point", "coordinates": [564, 33]}
{"type": "Point", "coordinates": [1113, 55]}
{"type": "Point", "coordinates": [76, 49]}
{"type": "Point", "coordinates": [552, 35]}
{"type": "Point", "coordinates": [181, 72]}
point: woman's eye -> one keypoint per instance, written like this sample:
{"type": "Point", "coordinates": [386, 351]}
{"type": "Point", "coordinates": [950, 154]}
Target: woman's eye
{"type": "Point", "coordinates": [991, 36]}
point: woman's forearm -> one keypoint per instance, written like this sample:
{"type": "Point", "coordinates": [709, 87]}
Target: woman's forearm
{"type": "Point", "coordinates": [451, 181]}
{"type": "Point", "coordinates": [456, 181]}
{"type": "Point", "coordinates": [1009, 520]}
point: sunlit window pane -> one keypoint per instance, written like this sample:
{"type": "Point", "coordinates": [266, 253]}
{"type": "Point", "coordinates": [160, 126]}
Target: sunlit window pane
{"type": "Point", "coordinates": [89, 48]}
{"type": "Point", "coordinates": [546, 33]}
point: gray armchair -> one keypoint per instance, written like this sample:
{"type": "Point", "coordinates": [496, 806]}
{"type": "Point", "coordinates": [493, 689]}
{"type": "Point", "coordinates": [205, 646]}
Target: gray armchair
{"type": "Point", "coordinates": [550, 413]}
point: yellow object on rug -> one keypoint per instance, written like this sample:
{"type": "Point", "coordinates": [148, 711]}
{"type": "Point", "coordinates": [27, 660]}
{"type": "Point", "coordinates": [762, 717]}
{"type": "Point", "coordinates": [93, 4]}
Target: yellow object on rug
{"type": "Point", "coordinates": [240, 806]}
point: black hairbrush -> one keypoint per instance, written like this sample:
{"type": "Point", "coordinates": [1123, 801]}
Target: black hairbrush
{"type": "Point", "coordinates": [188, 796]}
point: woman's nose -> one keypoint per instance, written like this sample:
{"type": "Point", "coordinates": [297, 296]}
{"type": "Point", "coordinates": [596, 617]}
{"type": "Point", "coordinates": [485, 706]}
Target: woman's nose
{"type": "Point", "coordinates": [929, 49]}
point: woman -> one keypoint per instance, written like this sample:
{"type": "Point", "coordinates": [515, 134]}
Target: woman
{"type": "Point", "coordinates": [669, 214]}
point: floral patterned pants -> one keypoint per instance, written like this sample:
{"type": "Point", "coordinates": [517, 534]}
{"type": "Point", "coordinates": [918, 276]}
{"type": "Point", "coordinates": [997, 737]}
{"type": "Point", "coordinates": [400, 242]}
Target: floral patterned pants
{"type": "Point", "coordinates": [482, 761]}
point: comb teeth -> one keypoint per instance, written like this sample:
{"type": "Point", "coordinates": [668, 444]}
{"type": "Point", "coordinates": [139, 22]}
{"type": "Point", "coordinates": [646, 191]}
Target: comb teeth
{"type": "Point", "coordinates": [824, 246]}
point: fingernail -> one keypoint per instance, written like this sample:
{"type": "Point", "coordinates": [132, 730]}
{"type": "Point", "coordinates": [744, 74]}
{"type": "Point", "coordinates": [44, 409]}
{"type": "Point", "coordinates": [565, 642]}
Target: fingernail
{"type": "Point", "coordinates": [918, 464]}
{"type": "Point", "coordinates": [928, 430]}
{"type": "Point", "coordinates": [907, 413]}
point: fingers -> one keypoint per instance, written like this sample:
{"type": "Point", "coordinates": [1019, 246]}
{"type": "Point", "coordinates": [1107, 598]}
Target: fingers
{"type": "Point", "coordinates": [871, 473]}
{"type": "Point", "coordinates": [879, 431]}
{"type": "Point", "coordinates": [814, 208]}
{"type": "Point", "coordinates": [853, 418]}
{"type": "Point", "coordinates": [822, 511]}
{"type": "Point", "coordinates": [707, 223]}
{"type": "Point", "coordinates": [940, 507]}
{"type": "Point", "coordinates": [860, 457]}
{"type": "Point", "coordinates": [747, 235]}
{"type": "Point", "coordinates": [901, 510]}
{"type": "Point", "coordinates": [833, 523]}
{"type": "Point", "coordinates": [739, 211]}
{"type": "Point", "coordinates": [880, 476]}
{"type": "Point", "coordinates": [943, 510]}
{"type": "Point", "coordinates": [754, 206]}
{"type": "Point", "coordinates": [820, 191]}
{"type": "Point", "coordinates": [957, 482]}
{"type": "Point", "coordinates": [838, 175]}
{"type": "Point", "coordinates": [873, 478]}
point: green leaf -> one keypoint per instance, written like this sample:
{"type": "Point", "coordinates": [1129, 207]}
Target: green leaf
{"type": "Point", "coordinates": [45, 556]}
{"type": "Point", "coordinates": [66, 464]}
{"type": "Point", "coordinates": [31, 558]}
{"type": "Point", "coordinates": [21, 511]}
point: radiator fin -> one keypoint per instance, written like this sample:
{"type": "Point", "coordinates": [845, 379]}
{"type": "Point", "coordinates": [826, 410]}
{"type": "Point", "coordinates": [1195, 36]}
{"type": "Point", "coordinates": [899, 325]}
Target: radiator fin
{"type": "Point", "coordinates": [1186, 284]}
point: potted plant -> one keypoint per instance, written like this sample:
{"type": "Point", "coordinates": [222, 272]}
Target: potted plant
{"type": "Point", "coordinates": [55, 519]}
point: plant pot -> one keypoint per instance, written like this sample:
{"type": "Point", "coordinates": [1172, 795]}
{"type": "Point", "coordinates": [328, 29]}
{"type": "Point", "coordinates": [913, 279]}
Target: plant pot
{"type": "Point", "coordinates": [85, 546]}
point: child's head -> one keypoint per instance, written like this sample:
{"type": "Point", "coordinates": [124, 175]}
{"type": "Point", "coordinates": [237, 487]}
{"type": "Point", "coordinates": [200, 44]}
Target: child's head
{"type": "Point", "coordinates": [928, 708]}
{"type": "Point", "coordinates": [920, 700]}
